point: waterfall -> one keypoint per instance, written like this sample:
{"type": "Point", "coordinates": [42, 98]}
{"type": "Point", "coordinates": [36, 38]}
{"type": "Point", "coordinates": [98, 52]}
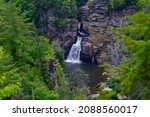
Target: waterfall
{"type": "Point", "coordinates": [79, 29]}
{"type": "Point", "coordinates": [74, 54]}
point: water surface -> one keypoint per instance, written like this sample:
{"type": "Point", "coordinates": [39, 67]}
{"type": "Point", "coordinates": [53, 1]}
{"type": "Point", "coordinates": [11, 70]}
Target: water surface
{"type": "Point", "coordinates": [95, 74]}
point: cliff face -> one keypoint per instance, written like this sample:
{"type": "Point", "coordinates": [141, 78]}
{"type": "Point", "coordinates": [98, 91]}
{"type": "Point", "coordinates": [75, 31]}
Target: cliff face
{"type": "Point", "coordinates": [97, 21]}
{"type": "Point", "coordinates": [100, 46]}
{"type": "Point", "coordinates": [66, 35]}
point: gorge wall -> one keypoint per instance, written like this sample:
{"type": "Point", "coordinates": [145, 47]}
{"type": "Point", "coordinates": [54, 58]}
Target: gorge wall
{"type": "Point", "coordinates": [100, 46]}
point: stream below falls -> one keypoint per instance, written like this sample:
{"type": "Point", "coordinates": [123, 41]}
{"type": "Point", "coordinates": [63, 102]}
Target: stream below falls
{"type": "Point", "coordinates": [95, 74]}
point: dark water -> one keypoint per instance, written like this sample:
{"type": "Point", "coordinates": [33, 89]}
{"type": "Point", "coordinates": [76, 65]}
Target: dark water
{"type": "Point", "coordinates": [95, 74]}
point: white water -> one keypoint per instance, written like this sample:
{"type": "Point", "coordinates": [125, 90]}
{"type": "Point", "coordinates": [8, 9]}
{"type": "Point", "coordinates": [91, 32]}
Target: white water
{"type": "Point", "coordinates": [74, 54]}
{"type": "Point", "coordinates": [79, 27]}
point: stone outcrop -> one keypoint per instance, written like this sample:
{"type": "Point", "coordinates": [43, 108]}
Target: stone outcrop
{"type": "Point", "coordinates": [66, 36]}
{"type": "Point", "coordinates": [97, 20]}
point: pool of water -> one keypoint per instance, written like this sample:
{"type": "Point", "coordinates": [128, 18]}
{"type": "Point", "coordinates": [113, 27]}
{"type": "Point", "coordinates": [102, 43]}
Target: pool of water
{"type": "Point", "coordinates": [95, 74]}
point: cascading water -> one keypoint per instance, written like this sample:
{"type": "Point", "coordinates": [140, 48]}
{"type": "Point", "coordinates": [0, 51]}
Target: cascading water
{"type": "Point", "coordinates": [79, 29]}
{"type": "Point", "coordinates": [74, 54]}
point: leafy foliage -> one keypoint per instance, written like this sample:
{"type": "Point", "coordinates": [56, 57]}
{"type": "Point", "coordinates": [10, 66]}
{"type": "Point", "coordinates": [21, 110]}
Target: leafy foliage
{"type": "Point", "coordinates": [105, 95]}
{"type": "Point", "coordinates": [30, 52]}
{"type": "Point", "coordinates": [9, 78]}
{"type": "Point", "coordinates": [58, 51]}
{"type": "Point", "coordinates": [134, 70]}
{"type": "Point", "coordinates": [61, 9]}
{"type": "Point", "coordinates": [119, 4]}
{"type": "Point", "coordinates": [116, 4]}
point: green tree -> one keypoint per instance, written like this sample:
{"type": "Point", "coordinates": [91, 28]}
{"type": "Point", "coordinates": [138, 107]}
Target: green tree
{"type": "Point", "coordinates": [59, 53]}
{"type": "Point", "coordinates": [135, 70]}
{"type": "Point", "coordinates": [9, 78]}
{"type": "Point", "coordinates": [14, 31]}
{"type": "Point", "coordinates": [119, 4]}
{"type": "Point", "coordinates": [30, 52]}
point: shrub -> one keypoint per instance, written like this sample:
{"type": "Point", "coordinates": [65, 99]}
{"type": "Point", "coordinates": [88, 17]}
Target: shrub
{"type": "Point", "coordinates": [90, 2]}
{"type": "Point", "coordinates": [60, 23]}
{"type": "Point", "coordinates": [116, 4]}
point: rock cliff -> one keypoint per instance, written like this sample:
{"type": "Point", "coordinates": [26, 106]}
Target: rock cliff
{"type": "Point", "coordinates": [98, 20]}
{"type": "Point", "coordinates": [100, 46]}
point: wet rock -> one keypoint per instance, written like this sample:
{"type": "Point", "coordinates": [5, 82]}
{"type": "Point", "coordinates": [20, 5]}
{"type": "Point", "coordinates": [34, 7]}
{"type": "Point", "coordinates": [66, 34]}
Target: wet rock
{"type": "Point", "coordinates": [93, 96]}
{"type": "Point", "coordinates": [107, 89]}
{"type": "Point", "coordinates": [108, 78]}
{"type": "Point", "coordinates": [104, 85]}
{"type": "Point", "coordinates": [119, 97]}
{"type": "Point", "coordinates": [87, 48]}
{"type": "Point", "coordinates": [104, 73]}
{"type": "Point", "coordinates": [86, 26]}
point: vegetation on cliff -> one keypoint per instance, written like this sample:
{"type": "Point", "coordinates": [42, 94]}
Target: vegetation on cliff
{"type": "Point", "coordinates": [119, 4]}
{"type": "Point", "coordinates": [133, 73]}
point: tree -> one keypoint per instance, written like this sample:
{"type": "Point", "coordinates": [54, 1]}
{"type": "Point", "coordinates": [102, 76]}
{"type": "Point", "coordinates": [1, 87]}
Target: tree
{"type": "Point", "coordinates": [58, 51]}
{"type": "Point", "coordinates": [31, 54]}
{"type": "Point", "coordinates": [14, 32]}
{"type": "Point", "coordinates": [9, 78]}
{"type": "Point", "coordinates": [135, 70]}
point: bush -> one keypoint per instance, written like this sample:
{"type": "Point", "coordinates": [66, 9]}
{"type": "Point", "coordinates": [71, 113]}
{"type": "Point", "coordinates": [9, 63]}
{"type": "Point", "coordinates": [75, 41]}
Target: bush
{"type": "Point", "coordinates": [119, 4]}
{"type": "Point", "coordinates": [105, 95]}
{"type": "Point", "coordinates": [60, 23]}
{"type": "Point", "coordinates": [114, 84]}
{"type": "Point", "coordinates": [58, 51]}
{"type": "Point", "coordinates": [116, 4]}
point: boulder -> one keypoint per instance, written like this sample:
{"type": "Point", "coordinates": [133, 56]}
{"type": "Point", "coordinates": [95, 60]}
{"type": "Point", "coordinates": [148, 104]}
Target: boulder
{"type": "Point", "coordinates": [93, 96]}
{"type": "Point", "coordinates": [120, 97]}
{"type": "Point", "coordinates": [107, 89]}
{"type": "Point", "coordinates": [87, 48]}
